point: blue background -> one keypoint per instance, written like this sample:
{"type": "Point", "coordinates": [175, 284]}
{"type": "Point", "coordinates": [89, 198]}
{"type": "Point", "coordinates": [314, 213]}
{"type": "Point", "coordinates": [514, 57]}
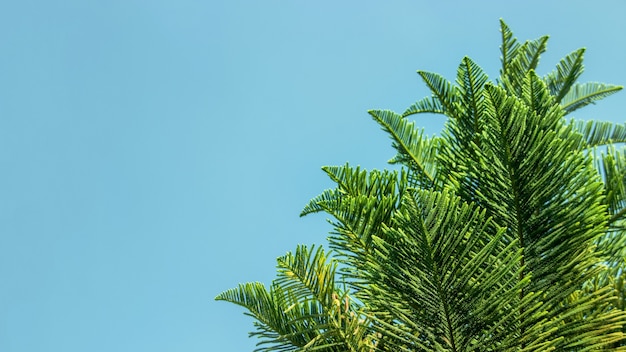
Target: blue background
{"type": "Point", "coordinates": [156, 153]}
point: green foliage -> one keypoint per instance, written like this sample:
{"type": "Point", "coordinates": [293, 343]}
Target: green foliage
{"type": "Point", "coordinates": [303, 309]}
{"type": "Point", "coordinates": [505, 233]}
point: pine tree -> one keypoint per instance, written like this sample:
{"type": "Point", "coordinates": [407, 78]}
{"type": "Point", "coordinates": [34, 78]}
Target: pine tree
{"type": "Point", "coordinates": [504, 233]}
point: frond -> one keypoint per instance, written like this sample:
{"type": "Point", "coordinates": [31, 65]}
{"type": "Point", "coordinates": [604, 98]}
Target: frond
{"type": "Point", "coordinates": [463, 132]}
{"type": "Point", "coordinates": [471, 80]}
{"type": "Point", "coordinates": [612, 166]}
{"type": "Point", "coordinates": [316, 204]}
{"type": "Point", "coordinates": [425, 105]}
{"type": "Point", "coordinates": [252, 296]}
{"type": "Point", "coordinates": [415, 151]}
{"type": "Point", "coordinates": [537, 97]}
{"type": "Point", "coordinates": [508, 49]}
{"type": "Point", "coordinates": [353, 182]}
{"type": "Point", "coordinates": [273, 324]}
{"type": "Point", "coordinates": [567, 72]}
{"type": "Point", "coordinates": [307, 274]}
{"type": "Point", "coordinates": [594, 313]}
{"type": "Point", "coordinates": [444, 91]}
{"type": "Point", "coordinates": [529, 53]}
{"type": "Point", "coordinates": [584, 94]}
{"type": "Point", "coordinates": [526, 58]}
{"type": "Point", "coordinates": [600, 133]}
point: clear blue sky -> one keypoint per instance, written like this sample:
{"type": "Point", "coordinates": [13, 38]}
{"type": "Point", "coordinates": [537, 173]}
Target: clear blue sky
{"type": "Point", "coordinates": [156, 153]}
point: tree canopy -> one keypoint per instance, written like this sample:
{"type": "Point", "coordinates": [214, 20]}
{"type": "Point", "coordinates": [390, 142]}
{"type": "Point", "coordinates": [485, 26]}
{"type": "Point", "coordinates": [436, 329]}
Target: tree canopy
{"type": "Point", "coordinates": [503, 233]}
